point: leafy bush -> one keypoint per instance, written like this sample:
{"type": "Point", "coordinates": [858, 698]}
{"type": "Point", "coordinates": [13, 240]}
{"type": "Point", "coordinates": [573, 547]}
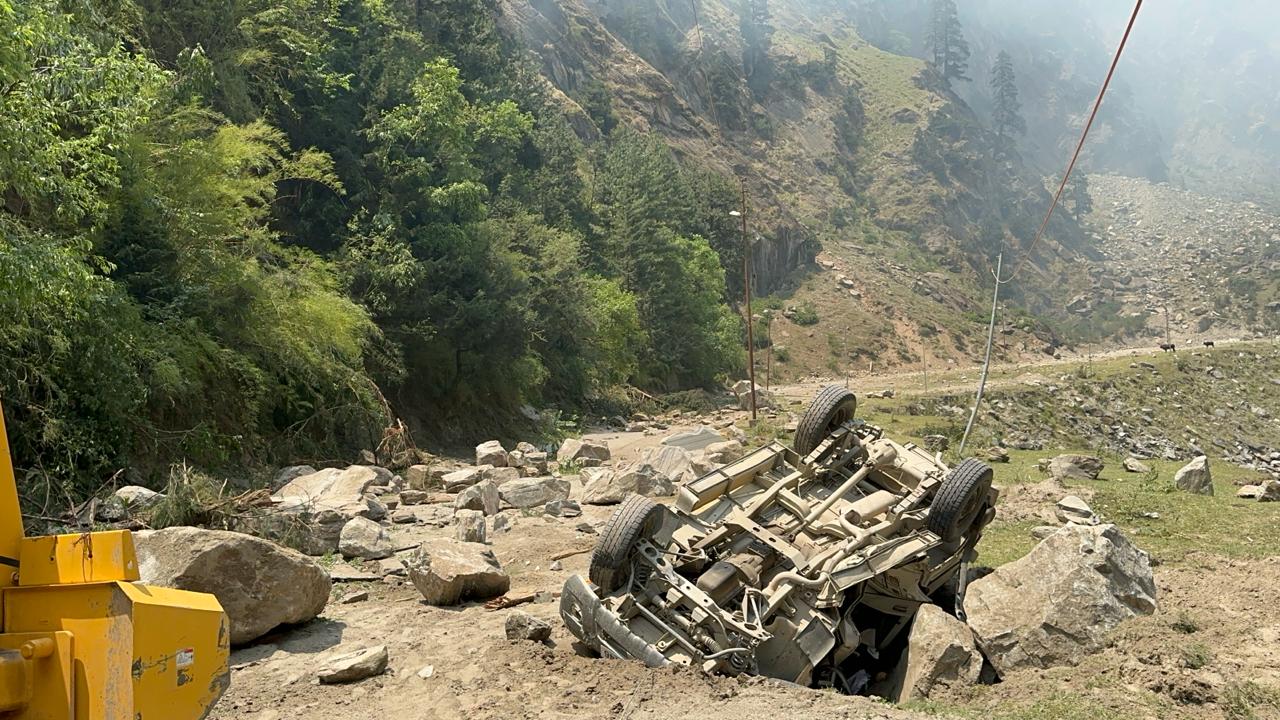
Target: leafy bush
{"type": "Point", "coordinates": [805, 314]}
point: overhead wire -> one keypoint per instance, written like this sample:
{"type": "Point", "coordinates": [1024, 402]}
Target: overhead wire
{"type": "Point", "coordinates": [995, 294]}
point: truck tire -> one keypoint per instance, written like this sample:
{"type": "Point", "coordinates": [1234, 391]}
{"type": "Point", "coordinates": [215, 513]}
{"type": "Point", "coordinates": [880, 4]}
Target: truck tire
{"type": "Point", "coordinates": [960, 500]}
{"type": "Point", "coordinates": [636, 518]}
{"type": "Point", "coordinates": [831, 407]}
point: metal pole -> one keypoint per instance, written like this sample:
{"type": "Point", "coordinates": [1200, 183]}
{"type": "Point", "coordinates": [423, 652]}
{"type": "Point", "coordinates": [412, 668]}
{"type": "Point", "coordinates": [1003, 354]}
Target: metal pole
{"type": "Point", "coordinates": [746, 291]}
{"type": "Point", "coordinates": [986, 365]}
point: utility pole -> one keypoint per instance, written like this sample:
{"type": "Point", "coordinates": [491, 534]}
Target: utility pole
{"type": "Point", "coordinates": [746, 293]}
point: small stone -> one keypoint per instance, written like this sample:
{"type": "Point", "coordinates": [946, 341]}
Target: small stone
{"type": "Point", "coordinates": [1194, 477]}
{"type": "Point", "coordinates": [1134, 465]}
{"type": "Point", "coordinates": [471, 527]}
{"type": "Point", "coordinates": [355, 597]}
{"type": "Point", "coordinates": [356, 665]}
{"type": "Point", "coordinates": [555, 566]}
{"type": "Point", "coordinates": [1270, 491]}
{"type": "Point", "coordinates": [1072, 509]}
{"type": "Point", "coordinates": [427, 671]}
{"type": "Point", "coordinates": [491, 453]}
{"type": "Point", "coordinates": [563, 508]}
{"type": "Point", "coordinates": [523, 626]}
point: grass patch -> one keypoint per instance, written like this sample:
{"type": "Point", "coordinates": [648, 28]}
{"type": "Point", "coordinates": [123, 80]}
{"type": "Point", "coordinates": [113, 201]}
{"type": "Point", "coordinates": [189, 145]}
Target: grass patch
{"type": "Point", "coordinates": [1005, 542]}
{"type": "Point", "coordinates": [1240, 700]}
{"type": "Point", "coordinates": [1057, 706]}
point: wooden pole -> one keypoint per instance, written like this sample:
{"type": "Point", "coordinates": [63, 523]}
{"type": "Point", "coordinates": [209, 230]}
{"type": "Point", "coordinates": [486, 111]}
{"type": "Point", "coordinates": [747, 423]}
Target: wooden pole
{"type": "Point", "coordinates": [746, 293]}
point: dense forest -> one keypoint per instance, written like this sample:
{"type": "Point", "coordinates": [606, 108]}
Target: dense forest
{"type": "Point", "coordinates": [246, 231]}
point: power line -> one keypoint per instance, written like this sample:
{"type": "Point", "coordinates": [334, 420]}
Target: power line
{"type": "Point", "coordinates": [1115, 60]}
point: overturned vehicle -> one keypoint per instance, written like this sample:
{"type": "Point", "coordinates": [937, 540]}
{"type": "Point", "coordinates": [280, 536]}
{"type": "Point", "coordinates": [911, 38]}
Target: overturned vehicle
{"type": "Point", "coordinates": [805, 564]}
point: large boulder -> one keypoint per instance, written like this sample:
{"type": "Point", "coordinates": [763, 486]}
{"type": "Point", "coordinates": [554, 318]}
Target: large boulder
{"type": "Point", "coordinates": [448, 571]}
{"type": "Point", "coordinates": [742, 389]}
{"type": "Point", "coordinates": [354, 665]}
{"type": "Point", "coordinates": [941, 650]}
{"type": "Point", "coordinates": [491, 453]}
{"type": "Point", "coordinates": [1194, 477]}
{"type": "Point", "coordinates": [1075, 467]}
{"type": "Point", "coordinates": [533, 492]}
{"type": "Point", "coordinates": [288, 474]}
{"type": "Point", "coordinates": [333, 489]}
{"type": "Point", "coordinates": [309, 512]}
{"type": "Point", "coordinates": [136, 497]}
{"type": "Point", "coordinates": [602, 486]}
{"type": "Point", "coordinates": [364, 539]}
{"type": "Point", "coordinates": [482, 496]}
{"type": "Point", "coordinates": [584, 452]}
{"type": "Point", "coordinates": [417, 477]}
{"type": "Point", "coordinates": [1056, 605]}
{"type": "Point", "coordinates": [1134, 465]}
{"type": "Point", "coordinates": [259, 584]}
{"type": "Point", "coordinates": [671, 463]}
{"type": "Point", "coordinates": [721, 453]}
{"type": "Point", "coordinates": [459, 480]}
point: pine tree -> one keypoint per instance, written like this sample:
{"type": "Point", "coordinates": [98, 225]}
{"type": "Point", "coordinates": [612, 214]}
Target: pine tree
{"type": "Point", "coordinates": [1006, 110]}
{"type": "Point", "coordinates": [1077, 193]}
{"type": "Point", "coordinates": [946, 43]}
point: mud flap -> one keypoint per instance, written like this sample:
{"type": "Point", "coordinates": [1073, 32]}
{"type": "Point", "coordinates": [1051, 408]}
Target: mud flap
{"type": "Point", "coordinates": [601, 629]}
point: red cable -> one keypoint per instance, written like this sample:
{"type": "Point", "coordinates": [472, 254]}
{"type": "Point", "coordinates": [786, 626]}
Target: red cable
{"type": "Point", "coordinates": [1079, 145]}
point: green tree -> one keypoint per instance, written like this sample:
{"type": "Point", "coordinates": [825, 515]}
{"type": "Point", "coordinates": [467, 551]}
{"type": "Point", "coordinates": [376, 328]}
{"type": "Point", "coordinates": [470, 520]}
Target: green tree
{"type": "Point", "coordinates": [948, 50]}
{"type": "Point", "coordinates": [1006, 110]}
{"type": "Point", "coordinates": [1077, 193]}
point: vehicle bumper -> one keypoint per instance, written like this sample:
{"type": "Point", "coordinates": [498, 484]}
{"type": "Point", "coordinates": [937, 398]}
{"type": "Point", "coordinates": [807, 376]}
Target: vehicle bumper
{"type": "Point", "coordinates": [600, 628]}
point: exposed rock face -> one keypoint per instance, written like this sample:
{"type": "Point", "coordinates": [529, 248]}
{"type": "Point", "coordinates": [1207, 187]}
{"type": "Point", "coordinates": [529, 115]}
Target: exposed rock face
{"type": "Point", "coordinates": [587, 453]}
{"type": "Point", "coordinates": [1194, 477]}
{"type": "Point", "coordinates": [491, 453]}
{"type": "Point", "coordinates": [941, 650]}
{"type": "Point", "coordinates": [533, 492]}
{"type": "Point", "coordinates": [364, 539]}
{"type": "Point", "coordinates": [471, 526]}
{"type": "Point", "coordinates": [1075, 467]}
{"type": "Point", "coordinates": [1057, 604]}
{"type": "Point", "coordinates": [448, 572]}
{"type": "Point", "coordinates": [356, 665]}
{"type": "Point", "coordinates": [260, 584]}
{"type": "Point", "coordinates": [521, 625]}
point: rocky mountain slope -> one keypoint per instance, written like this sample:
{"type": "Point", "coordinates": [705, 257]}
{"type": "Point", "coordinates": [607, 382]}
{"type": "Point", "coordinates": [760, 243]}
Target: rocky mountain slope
{"type": "Point", "coordinates": [845, 149]}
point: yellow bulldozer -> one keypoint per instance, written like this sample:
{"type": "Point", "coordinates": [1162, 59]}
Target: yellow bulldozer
{"type": "Point", "coordinates": [82, 639]}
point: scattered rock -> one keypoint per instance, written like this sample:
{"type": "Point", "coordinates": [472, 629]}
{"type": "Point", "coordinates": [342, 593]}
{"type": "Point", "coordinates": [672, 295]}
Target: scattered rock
{"type": "Point", "coordinates": [602, 486]}
{"type": "Point", "coordinates": [940, 651]}
{"type": "Point", "coordinates": [288, 474]}
{"type": "Point", "coordinates": [503, 521]}
{"type": "Point", "coordinates": [584, 452]}
{"type": "Point", "coordinates": [413, 497]}
{"type": "Point", "coordinates": [491, 453]}
{"type": "Point", "coordinates": [355, 597]}
{"type": "Point", "coordinates": [1134, 465]}
{"type": "Point", "coordinates": [1075, 467]}
{"type": "Point", "coordinates": [722, 452]}
{"type": "Point", "coordinates": [448, 572]}
{"type": "Point", "coordinates": [482, 496]}
{"type": "Point", "coordinates": [136, 497]}
{"type": "Point", "coordinates": [364, 539]}
{"type": "Point", "coordinates": [471, 527]}
{"type": "Point", "coordinates": [555, 566]}
{"type": "Point", "coordinates": [417, 478]}
{"type": "Point", "coordinates": [1194, 477]}
{"type": "Point", "coordinates": [523, 626]}
{"type": "Point", "coordinates": [936, 443]}
{"type": "Point", "coordinates": [459, 480]}
{"type": "Point", "coordinates": [1072, 509]}
{"type": "Point", "coordinates": [533, 492]}
{"type": "Point", "coordinates": [1249, 492]}
{"type": "Point", "coordinates": [1041, 532]}
{"type": "Point", "coordinates": [356, 665]}
{"type": "Point", "coordinates": [996, 454]}
{"type": "Point", "coordinates": [1057, 604]}
{"type": "Point", "coordinates": [674, 465]}
{"type": "Point", "coordinates": [742, 389]}
{"type": "Point", "coordinates": [259, 584]}
{"type": "Point", "coordinates": [563, 508]}
{"type": "Point", "coordinates": [1270, 491]}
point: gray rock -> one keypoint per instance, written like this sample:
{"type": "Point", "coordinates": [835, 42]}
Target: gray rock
{"type": "Point", "coordinates": [459, 480]}
{"type": "Point", "coordinates": [1270, 491]}
{"type": "Point", "coordinates": [364, 539]}
{"type": "Point", "coordinates": [1249, 492]}
{"type": "Point", "coordinates": [996, 454]}
{"type": "Point", "coordinates": [491, 453]}
{"type": "Point", "coordinates": [355, 665]}
{"type": "Point", "coordinates": [288, 474]}
{"type": "Point", "coordinates": [482, 496]}
{"type": "Point", "coordinates": [523, 626]}
{"type": "Point", "coordinates": [417, 478]}
{"type": "Point", "coordinates": [533, 492]}
{"type": "Point", "coordinates": [940, 651]}
{"type": "Point", "coordinates": [403, 516]}
{"type": "Point", "coordinates": [602, 486]}
{"type": "Point", "coordinates": [673, 465]}
{"type": "Point", "coordinates": [1056, 605]}
{"type": "Point", "coordinates": [722, 452]}
{"type": "Point", "coordinates": [413, 497]}
{"type": "Point", "coordinates": [500, 475]}
{"type": "Point", "coordinates": [1194, 477]}
{"type": "Point", "coordinates": [563, 508]}
{"type": "Point", "coordinates": [1134, 465]}
{"type": "Point", "coordinates": [936, 443]}
{"type": "Point", "coordinates": [471, 527]}
{"type": "Point", "coordinates": [136, 497]}
{"type": "Point", "coordinates": [1041, 532]}
{"type": "Point", "coordinates": [259, 584]}
{"type": "Point", "coordinates": [584, 452]}
{"type": "Point", "coordinates": [1072, 509]}
{"type": "Point", "coordinates": [448, 572]}
{"type": "Point", "coordinates": [503, 521]}
{"type": "Point", "coordinates": [1075, 467]}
